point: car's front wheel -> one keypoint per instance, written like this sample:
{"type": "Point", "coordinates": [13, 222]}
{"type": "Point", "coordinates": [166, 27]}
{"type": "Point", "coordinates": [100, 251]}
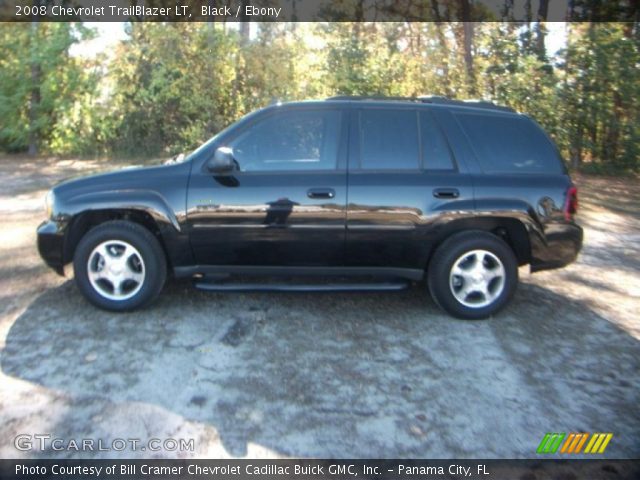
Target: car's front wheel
{"type": "Point", "coordinates": [119, 266]}
{"type": "Point", "coordinates": [472, 275]}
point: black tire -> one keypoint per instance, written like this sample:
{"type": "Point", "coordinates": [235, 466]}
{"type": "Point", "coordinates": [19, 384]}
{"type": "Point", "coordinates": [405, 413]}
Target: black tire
{"type": "Point", "coordinates": [148, 247]}
{"type": "Point", "coordinates": [441, 285]}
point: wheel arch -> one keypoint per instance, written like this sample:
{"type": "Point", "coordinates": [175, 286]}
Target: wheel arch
{"type": "Point", "coordinates": [85, 220]}
{"type": "Point", "coordinates": [512, 231]}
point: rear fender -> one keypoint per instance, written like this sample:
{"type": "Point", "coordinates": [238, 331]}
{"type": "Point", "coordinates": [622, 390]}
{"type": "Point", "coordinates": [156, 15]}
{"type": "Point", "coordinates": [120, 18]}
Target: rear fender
{"type": "Point", "coordinates": [514, 220]}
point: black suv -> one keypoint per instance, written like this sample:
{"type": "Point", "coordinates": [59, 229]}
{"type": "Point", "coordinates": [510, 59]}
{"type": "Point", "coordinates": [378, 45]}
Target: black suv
{"type": "Point", "coordinates": [372, 193]}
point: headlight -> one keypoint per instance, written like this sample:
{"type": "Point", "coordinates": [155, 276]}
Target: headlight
{"type": "Point", "coordinates": [48, 203]}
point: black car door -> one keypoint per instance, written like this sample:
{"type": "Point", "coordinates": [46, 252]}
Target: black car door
{"type": "Point", "coordinates": [286, 203]}
{"type": "Point", "coordinates": [402, 181]}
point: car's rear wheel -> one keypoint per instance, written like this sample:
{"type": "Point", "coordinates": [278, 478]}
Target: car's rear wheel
{"type": "Point", "coordinates": [119, 266]}
{"type": "Point", "coordinates": [472, 275]}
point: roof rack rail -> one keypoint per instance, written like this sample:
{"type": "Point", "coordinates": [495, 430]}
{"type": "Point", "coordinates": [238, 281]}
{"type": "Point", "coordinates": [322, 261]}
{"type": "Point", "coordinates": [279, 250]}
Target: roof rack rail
{"type": "Point", "coordinates": [433, 99]}
{"type": "Point", "coordinates": [371, 97]}
{"type": "Point", "coordinates": [466, 103]}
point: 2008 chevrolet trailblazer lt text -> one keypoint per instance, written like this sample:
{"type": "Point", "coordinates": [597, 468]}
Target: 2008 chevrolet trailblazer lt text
{"type": "Point", "coordinates": [377, 191]}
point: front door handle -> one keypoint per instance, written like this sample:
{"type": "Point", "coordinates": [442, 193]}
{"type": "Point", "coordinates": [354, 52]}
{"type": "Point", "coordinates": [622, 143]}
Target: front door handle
{"type": "Point", "coordinates": [321, 193]}
{"type": "Point", "coordinates": [446, 193]}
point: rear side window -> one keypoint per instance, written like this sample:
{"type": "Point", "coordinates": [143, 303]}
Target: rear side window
{"type": "Point", "coordinates": [507, 144]}
{"type": "Point", "coordinates": [435, 149]}
{"type": "Point", "coordinates": [389, 140]}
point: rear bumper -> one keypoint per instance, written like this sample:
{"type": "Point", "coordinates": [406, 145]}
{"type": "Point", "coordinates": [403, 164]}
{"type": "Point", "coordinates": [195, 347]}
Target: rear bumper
{"type": "Point", "coordinates": [51, 245]}
{"type": "Point", "coordinates": [561, 246]}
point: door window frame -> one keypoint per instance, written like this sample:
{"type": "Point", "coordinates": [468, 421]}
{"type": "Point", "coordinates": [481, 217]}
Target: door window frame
{"type": "Point", "coordinates": [443, 135]}
{"type": "Point", "coordinates": [355, 141]}
{"type": "Point", "coordinates": [341, 160]}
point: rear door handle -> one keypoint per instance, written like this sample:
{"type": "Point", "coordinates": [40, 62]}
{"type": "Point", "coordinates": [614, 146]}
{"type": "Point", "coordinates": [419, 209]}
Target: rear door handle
{"type": "Point", "coordinates": [446, 193]}
{"type": "Point", "coordinates": [321, 193]}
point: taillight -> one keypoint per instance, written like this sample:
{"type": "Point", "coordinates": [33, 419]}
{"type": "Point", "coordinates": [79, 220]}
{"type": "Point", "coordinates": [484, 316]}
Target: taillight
{"type": "Point", "coordinates": [571, 203]}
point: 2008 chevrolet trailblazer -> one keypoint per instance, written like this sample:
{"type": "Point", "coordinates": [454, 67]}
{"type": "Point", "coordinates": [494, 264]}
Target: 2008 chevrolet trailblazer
{"type": "Point", "coordinates": [379, 191]}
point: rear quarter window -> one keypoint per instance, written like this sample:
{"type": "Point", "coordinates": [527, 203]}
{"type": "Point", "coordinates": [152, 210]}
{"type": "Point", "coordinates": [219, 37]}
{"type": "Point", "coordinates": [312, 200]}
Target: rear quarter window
{"type": "Point", "coordinates": [509, 144]}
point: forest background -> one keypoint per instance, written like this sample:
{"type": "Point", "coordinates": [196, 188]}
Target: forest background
{"type": "Point", "coordinates": [167, 87]}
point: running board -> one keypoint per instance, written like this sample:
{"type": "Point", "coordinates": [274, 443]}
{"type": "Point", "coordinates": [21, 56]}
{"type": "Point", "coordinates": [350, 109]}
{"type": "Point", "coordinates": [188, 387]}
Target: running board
{"type": "Point", "coordinates": [221, 271]}
{"type": "Point", "coordinates": [297, 287]}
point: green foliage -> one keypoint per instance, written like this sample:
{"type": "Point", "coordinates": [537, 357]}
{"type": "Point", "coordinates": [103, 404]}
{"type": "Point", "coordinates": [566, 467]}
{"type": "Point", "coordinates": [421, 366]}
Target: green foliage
{"type": "Point", "coordinates": [39, 85]}
{"type": "Point", "coordinates": [602, 91]}
{"type": "Point", "coordinates": [169, 87]}
{"type": "Point", "coordinates": [176, 85]}
{"type": "Point", "coordinates": [163, 95]}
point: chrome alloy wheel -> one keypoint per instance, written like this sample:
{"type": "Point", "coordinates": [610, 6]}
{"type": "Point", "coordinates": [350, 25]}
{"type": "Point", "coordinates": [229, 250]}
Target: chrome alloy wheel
{"type": "Point", "coordinates": [477, 278]}
{"type": "Point", "coordinates": [116, 270]}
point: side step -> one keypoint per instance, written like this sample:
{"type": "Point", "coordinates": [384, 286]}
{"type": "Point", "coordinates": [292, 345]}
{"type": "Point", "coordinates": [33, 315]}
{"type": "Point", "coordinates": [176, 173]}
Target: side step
{"type": "Point", "coordinates": [297, 287]}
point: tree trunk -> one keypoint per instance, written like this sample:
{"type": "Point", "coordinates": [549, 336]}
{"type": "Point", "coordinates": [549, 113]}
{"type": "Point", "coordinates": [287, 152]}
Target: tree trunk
{"type": "Point", "coordinates": [507, 11]}
{"type": "Point", "coordinates": [576, 153]}
{"type": "Point", "coordinates": [34, 100]}
{"type": "Point", "coordinates": [612, 142]}
{"type": "Point", "coordinates": [467, 40]}
{"type": "Point", "coordinates": [526, 34]}
{"type": "Point", "coordinates": [444, 47]}
{"type": "Point", "coordinates": [359, 18]}
{"type": "Point", "coordinates": [543, 11]}
{"type": "Point", "coordinates": [468, 57]}
{"type": "Point", "coordinates": [572, 116]}
{"type": "Point", "coordinates": [245, 31]}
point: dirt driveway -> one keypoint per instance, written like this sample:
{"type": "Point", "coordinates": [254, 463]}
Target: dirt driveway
{"type": "Point", "coordinates": [321, 375]}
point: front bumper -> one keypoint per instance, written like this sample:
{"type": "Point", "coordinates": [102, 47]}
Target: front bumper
{"type": "Point", "coordinates": [562, 243]}
{"type": "Point", "coordinates": [51, 245]}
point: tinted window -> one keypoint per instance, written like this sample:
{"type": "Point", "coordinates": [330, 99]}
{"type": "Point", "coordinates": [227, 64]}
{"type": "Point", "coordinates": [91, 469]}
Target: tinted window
{"type": "Point", "coordinates": [435, 150]}
{"type": "Point", "coordinates": [389, 139]}
{"type": "Point", "coordinates": [507, 144]}
{"type": "Point", "coordinates": [302, 140]}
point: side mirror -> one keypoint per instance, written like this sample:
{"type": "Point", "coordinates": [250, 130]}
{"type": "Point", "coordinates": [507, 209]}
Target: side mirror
{"type": "Point", "coordinates": [222, 162]}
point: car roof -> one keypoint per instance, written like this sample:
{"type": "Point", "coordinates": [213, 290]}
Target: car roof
{"type": "Point", "coordinates": [433, 100]}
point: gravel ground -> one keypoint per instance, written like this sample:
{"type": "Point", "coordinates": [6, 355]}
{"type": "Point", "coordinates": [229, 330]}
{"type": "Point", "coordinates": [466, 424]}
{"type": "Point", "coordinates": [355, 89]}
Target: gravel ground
{"type": "Point", "coordinates": [321, 375]}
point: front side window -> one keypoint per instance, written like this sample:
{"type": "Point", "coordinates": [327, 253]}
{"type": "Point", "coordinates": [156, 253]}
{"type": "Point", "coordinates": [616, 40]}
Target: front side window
{"type": "Point", "coordinates": [389, 140]}
{"type": "Point", "coordinates": [294, 140]}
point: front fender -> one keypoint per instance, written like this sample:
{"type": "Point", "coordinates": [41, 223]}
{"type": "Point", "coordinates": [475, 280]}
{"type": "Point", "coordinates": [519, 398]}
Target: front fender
{"type": "Point", "coordinates": [74, 214]}
{"type": "Point", "coordinates": [146, 201]}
